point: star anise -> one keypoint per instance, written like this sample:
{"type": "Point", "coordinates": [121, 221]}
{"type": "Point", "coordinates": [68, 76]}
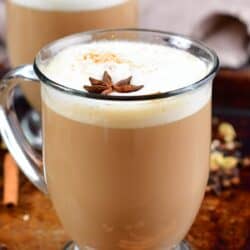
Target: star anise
{"type": "Point", "coordinates": [106, 85]}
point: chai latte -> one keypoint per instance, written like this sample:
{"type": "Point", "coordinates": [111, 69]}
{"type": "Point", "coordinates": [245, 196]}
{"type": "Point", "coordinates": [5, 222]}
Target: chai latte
{"type": "Point", "coordinates": [126, 174]}
{"type": "Point", "coordinates": [34, 23]}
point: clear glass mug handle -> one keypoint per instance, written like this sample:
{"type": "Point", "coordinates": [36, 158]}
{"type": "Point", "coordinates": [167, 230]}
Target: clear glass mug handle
{"type": "Point", "coordinates": [29, 160]}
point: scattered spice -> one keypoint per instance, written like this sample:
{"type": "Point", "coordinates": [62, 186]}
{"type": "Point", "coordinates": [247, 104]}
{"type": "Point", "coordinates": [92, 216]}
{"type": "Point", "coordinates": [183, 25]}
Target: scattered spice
{"type": "Point", "coordinates": [106, 85]}
{"type": "Point", "coordinates": [226, 158]}
{"type": "Point", "coordinates": [103, 57]}
{"type": "Point", "coordinates": [227, 132]}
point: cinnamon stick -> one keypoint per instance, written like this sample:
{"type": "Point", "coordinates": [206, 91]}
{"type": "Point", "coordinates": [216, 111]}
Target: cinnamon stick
{"type": "Point", "coordinates": [11, 181]}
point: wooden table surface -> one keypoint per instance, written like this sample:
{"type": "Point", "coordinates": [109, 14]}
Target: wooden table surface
{"type": "Point", "coordinates": [223, 222]}
{"type": "Point", "coordinates": [32, 225]}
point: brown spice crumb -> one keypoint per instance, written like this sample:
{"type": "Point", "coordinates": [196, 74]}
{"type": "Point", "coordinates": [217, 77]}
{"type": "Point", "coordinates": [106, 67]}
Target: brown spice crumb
{"type": "Point", "coordinates": [103, 57]}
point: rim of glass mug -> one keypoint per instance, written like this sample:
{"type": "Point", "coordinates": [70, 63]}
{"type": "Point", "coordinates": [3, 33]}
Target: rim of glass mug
{"type": "Point", "coordinates": [177, 41]}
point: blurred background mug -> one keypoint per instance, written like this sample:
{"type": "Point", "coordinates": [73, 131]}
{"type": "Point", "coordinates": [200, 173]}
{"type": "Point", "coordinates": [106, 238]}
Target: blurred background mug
{"type": "Point", "coordinates": [31, 24]}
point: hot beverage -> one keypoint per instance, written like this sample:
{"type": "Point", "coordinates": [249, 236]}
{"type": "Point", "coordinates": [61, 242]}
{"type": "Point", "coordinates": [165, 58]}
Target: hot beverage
{"type": "Point", "coordinates": [126, 174]}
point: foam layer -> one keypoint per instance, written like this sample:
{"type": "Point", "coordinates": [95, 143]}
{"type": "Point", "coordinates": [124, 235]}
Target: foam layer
{"type": "Point", "coordinates": [158, 68]}
{"type": "Point", "coordinates": [68, 5]}
{"type": "Point", "coordinates": [112, 114]}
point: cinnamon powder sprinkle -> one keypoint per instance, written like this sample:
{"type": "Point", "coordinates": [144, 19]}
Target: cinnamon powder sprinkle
{"type": "Point", "coordinates": [103, 58]}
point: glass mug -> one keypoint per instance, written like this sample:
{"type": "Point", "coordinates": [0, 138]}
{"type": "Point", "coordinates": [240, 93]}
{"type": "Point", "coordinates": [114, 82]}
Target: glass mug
{"type": "Point", "coordinates": [142, 196]}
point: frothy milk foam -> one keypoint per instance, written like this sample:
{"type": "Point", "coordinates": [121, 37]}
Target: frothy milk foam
{"type": "Point", "coordinates": [159, 68]}
{"type": "Point", "coordinates": [69, 5]}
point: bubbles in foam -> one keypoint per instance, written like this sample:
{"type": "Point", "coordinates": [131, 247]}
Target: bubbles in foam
{"type": "Point", "coordinates": [68, 5]}
{"type": "Point", "coordinates": [159, 68]}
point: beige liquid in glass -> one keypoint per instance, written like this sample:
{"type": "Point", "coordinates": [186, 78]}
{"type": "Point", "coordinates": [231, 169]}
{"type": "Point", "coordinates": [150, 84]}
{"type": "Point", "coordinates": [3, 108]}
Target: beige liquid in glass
{"type": "Point", "coordinates": [127, 175]}
{"type": "Point", "coordinates": [33, 23]}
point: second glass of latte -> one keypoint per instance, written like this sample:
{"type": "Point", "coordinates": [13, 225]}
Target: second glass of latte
{"type": "Point", "coordinates": [31, 24]}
